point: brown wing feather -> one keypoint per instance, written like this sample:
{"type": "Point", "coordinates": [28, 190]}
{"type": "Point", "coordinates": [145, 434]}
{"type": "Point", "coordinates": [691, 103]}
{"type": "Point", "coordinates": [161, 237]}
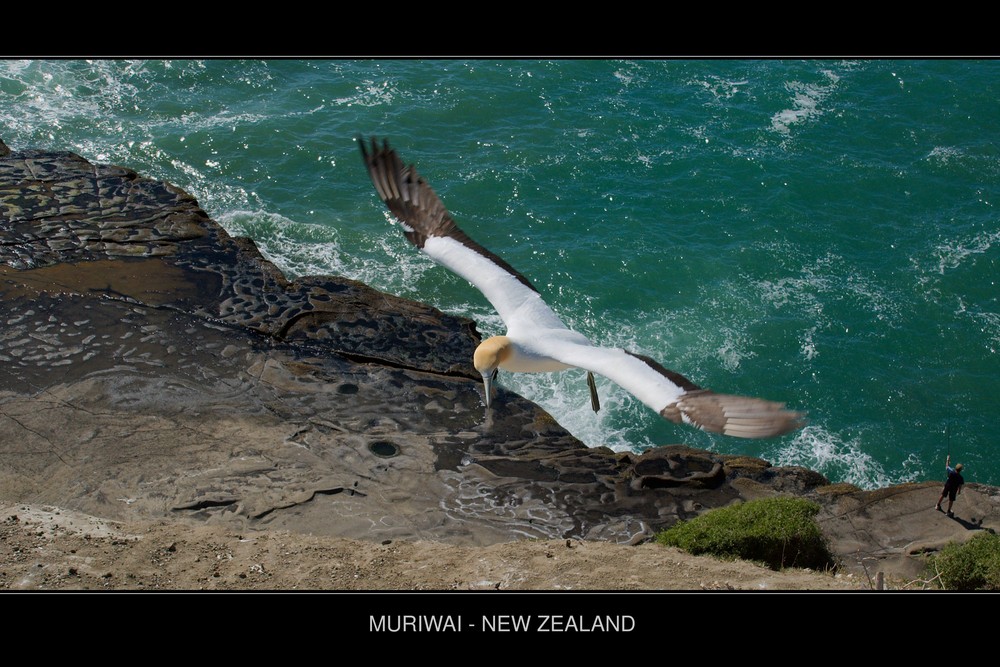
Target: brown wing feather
{"type": "Point", "coordinates": [416, 205]}
{"type": "Point", "coordinates": [739, 416]}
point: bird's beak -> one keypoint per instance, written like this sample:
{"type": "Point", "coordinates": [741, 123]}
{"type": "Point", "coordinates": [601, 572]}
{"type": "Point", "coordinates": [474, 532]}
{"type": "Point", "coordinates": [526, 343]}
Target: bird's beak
{"type": "Point", "coordinates": [488, 378]}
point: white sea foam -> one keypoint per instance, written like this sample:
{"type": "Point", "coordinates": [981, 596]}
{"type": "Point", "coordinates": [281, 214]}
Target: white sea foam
{"type": "Point", "coordinates": [722, 88]}
{"type": "Point", "coordinates": [815, 277]}
{"type": "Point", "coordinates": [370, 94]}
{"type": "Point", "coordinates": [221, 119]}
{"type": "Point", "coordinates": [109, 97]}
{"type": "Point", "coordinates": [57, 93]}
{"type": "Point", "coordinates": [808, 346]}
{"type": "Point", "coordinates": [298, 249]}
{"type": "Point", "coordinates": [825, 285]}
{"type": "Point", "coordinates": [806, 102]}
{"type": "Point", "coordinates": [631, 74]}
{"type": "Point", "coordinates": [944, 154]}
{"type": "Point", "coordinates": [838, 457]}
{"type": "Point", "coordinates": [989, 325]}
{"type": "Point", "coordinates": [566, 397]}
{"type": "Point", "coordinates": [734, 348]}
{"type": "Point", "coordinates": [399, 268]}
{"type": "Point", "coordinates": [953, 253]}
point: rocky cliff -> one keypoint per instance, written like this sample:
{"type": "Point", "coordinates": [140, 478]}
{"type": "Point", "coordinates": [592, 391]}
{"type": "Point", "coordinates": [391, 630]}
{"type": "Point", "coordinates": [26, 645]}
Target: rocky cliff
{"type": "Point", "coordinates": [153, 366]}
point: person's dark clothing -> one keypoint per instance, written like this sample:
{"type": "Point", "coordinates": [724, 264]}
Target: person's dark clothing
{"type": "Point", "coordinates": [955, 480]}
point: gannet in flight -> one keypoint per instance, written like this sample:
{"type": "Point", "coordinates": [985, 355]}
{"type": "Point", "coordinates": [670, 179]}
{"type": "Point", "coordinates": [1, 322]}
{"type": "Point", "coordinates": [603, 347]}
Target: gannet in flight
{"type": "Point", "coordinates": [537, 341]}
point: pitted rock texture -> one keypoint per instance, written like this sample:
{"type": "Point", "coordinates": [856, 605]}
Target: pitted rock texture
{"type": "Point", "coordinates": [58, 207]}
{"type": "Point", "coordinates": [153, 366]}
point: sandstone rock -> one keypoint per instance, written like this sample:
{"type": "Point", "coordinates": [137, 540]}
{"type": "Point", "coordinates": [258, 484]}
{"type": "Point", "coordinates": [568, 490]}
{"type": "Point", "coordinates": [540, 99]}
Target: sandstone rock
{"type": "Point", "coordinates": [151, 365]}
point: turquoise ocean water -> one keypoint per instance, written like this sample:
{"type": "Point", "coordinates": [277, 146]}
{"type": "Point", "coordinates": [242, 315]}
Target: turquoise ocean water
{"type": "Point", "coordinates": [819, 232]}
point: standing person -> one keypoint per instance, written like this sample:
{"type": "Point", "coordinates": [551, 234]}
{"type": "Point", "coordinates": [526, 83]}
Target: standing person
{"type": "Point", "coordinates": [953, 486]}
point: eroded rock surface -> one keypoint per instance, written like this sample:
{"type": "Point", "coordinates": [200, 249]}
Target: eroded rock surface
{"type": "Point", "coordinates": [153, 366]}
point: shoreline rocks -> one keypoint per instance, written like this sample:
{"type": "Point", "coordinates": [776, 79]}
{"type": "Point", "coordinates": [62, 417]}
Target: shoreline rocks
{"type": "Point", "coordinates": [153, 366]}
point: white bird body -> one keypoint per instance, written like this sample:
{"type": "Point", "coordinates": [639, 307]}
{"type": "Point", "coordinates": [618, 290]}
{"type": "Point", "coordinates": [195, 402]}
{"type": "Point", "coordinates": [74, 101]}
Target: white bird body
{"type": "Point", "coordinates": [537, 341]}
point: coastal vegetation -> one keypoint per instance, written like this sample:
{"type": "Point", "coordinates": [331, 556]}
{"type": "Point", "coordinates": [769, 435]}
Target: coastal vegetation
{"type": "Point", "coordinates": [778, 532]}
{"type": "Point", "coordinates": [968, 566]}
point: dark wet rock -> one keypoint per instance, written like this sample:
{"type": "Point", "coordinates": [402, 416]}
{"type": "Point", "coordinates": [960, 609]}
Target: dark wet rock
{"type": "Point", "coordinates": [677, 466]}
{"type": "Point", "coordinates": [152, 365]}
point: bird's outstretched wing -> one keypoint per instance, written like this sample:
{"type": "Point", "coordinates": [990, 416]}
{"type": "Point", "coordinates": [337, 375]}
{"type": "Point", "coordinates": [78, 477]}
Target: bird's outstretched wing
{"type": "Point", "coordinates": [428, 225]}
{"type": "Point", "coordinates": [679, 399]}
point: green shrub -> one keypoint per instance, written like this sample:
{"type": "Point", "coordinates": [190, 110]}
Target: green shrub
{"type": "Point", "coordinates": [779, 532]}
{"type": "Point", "coordinates": [973, 565]}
